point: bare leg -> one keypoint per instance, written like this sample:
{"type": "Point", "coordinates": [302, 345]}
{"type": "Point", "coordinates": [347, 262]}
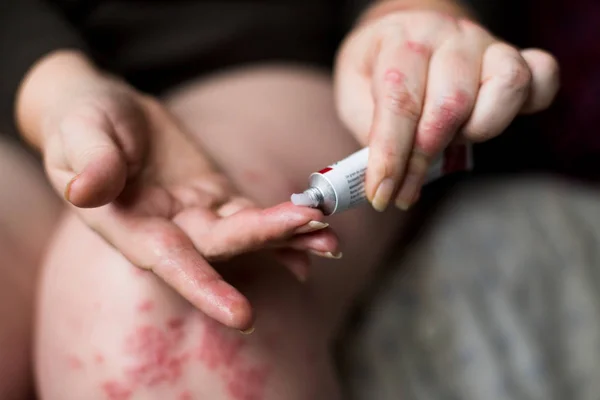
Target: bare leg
{"type": "Point", "coordinates": [129, 337]}
{"type": "Point", "coordinates": [28, 211]}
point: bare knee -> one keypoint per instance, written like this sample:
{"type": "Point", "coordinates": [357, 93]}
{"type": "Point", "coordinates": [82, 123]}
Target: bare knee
{"type": "Point", "coordinates": [130, 337]}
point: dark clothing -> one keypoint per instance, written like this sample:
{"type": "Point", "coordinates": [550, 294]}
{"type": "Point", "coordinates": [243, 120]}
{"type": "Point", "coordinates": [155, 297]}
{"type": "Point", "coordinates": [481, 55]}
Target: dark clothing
{"type": "Point", "coordinates": [157, 44]}
{"type": "Point", "coordinates": [570, 31]}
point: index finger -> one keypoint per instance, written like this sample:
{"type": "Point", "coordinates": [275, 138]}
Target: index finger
{"type": "Point", "coordinates": [399, 82]}
{"type": "Point", "coordinates": [254, 228]}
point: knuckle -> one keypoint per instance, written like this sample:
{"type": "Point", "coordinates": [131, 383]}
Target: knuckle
{"type": "Point", "coordinates": [515, 74]}
{"type": "Point", "coordinates": [453, 111]}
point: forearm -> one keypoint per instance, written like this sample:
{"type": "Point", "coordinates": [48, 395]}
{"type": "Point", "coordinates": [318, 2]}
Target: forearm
{"type": "Point", "coordinates": [45, 86]}
{"type": "Point", "coordinates": [381, 8]}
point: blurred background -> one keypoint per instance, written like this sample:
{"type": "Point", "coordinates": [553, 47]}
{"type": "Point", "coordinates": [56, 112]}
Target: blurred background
{"type": "Point", "coordinates": [494, 290]}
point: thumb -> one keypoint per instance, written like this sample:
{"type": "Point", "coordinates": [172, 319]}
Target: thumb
{"type": "Point", "coordinates": [85, 162]}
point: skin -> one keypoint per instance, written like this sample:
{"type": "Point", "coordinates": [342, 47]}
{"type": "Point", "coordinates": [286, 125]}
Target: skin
{"type": "Point", "coordinates": [28, 213]}
{"type": "Point", "coordinates": [126, 319]}
{"type": "Point", "coordinates": [137, 172]}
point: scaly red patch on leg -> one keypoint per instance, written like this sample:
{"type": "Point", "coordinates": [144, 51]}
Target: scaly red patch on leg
{"type": "Point", "coordinates": [218, 347]}
{"type": "Point", "coordinates": [248, 383]}
{"type": "Point", "coordinates": [157, 354]}
{"type": "Point", "coordinates": [116, 391]}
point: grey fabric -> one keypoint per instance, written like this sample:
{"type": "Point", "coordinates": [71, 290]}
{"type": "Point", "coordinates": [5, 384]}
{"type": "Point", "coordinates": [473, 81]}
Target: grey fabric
{"type": "Point", "coordinates": [498, 299]}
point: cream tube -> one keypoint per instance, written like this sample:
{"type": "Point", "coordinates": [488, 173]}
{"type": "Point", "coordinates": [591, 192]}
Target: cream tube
{"type": "Point", "coordinates": [341, 186]}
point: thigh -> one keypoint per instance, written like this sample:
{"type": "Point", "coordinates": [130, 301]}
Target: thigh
{"type": "Point", "coordinates": [28, 210]}
{"type": "Point", "coordinates": [268, 128]}
{"type": "Point", "coordinates": [109, 331]}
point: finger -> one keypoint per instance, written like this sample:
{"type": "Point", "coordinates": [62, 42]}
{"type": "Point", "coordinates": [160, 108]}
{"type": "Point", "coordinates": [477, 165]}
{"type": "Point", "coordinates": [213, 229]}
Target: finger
{"type": "Point", "coordinates": [247, 230]}
{"type": "Point", "coordinates": [297, 262]}
{"type": "Point", "coordinates": [505, 83]}
{"type": "Point", "coordinates": [398, 89]}
{"type": "Point", "coordinates": [545, 80]}
{"type": "Point", "coordinates": [451, 90]}
{"type": "Point", "coordinates": [323, 243]}
{"type": "Point", "coordinates": [85, 162]}
{"type": "Point", "coordinates": [159, 245]}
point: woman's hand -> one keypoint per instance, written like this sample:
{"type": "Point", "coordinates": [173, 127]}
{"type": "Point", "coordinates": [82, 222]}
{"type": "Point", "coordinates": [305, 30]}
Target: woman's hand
{"type": "Point", "coordinates": [134, 177]}
{"type": "Point", "coordinates": [408, 81]}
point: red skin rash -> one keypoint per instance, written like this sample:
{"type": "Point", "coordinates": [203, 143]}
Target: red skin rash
{"type": "Point", "coordinates": [187, 395]}
{"type": "Point", "coordinates": [218, 348]}
{"type": "Point", "coordinates": [116, 391]}
{"type": "Point", "coordinates": [419, 48]}
{"type": "Point", "coordinates": [146, 306]}
{"type": "Point", "coordinates": [394, 76]}
{"type": "Point", "coordinates": [248, 383]}
{"type": "Point", "coordinates": [156, 359]}
{"type": "Point", "coordinates": [156, 354]}
{"type": "Point", "coordinates": [446, 119]}
{"type": "Point", "coordinates": [221, 349]}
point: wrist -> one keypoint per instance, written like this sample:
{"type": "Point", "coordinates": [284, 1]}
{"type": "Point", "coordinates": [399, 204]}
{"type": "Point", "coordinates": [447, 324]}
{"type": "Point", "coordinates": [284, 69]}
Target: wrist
{"type": "Point", "coordinates": [46, 86]}
{"type": "Point", "coordinates": [381, 8]}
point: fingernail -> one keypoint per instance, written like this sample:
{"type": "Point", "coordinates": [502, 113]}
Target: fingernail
{"type": "Point", "coordinates": [383, 194]}
{"type": "Point", "coordinates": [248, 331]}
{"type": "Point", "coordinates": [327, 254]}
{"type": "Point", "coordinates": [67, 193]}
{"type": "Point", "coordinates": [312, 226]}
{"type": "Point", "coordinates": [409, 191]}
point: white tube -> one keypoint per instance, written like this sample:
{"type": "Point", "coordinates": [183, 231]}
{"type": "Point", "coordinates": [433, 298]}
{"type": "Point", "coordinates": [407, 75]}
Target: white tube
{"type": "Point", "coordinates": [341, 186]}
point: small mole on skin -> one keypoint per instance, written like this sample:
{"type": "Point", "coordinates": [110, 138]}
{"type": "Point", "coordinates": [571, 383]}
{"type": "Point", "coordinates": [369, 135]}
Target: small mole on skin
{"type": "Point", "coordinates": [116, 391]}
{"type": "Point", "coordinates": [146, 306]}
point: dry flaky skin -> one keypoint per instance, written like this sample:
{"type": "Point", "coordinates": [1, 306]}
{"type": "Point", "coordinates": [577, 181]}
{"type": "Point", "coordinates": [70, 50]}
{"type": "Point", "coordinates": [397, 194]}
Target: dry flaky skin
{"type": "Point", "coordinates": [130, 337]}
